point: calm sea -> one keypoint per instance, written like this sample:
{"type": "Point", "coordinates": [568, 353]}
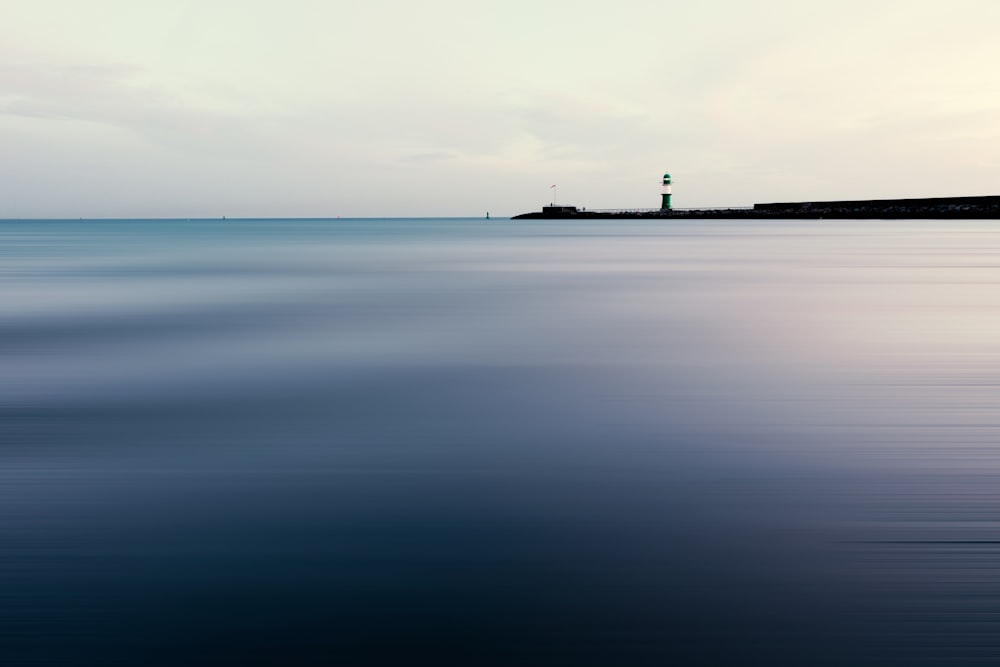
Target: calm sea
{"type": "Point", "coordinates": [470, 442]}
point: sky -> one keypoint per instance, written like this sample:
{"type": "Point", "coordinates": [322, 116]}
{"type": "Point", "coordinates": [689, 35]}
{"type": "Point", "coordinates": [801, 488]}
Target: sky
{"type": "Point", "coordinates": [309, 108]}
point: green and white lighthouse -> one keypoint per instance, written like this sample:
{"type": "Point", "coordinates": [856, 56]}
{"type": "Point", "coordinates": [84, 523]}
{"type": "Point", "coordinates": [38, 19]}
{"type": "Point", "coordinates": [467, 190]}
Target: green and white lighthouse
{"type": "Point", "coordinates": [666, 192]}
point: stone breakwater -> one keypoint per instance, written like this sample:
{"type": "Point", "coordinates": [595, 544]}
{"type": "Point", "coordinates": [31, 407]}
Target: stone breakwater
{"type": "Point", "coordinates": [948, 208]}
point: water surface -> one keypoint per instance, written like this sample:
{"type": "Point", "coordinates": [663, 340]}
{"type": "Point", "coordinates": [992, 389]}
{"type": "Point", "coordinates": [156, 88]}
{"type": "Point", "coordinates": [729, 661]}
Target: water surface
{"type": "Point", "coordinates": [468, 442]}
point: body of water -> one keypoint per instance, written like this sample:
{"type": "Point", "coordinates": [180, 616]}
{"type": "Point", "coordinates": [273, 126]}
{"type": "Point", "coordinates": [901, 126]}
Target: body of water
{"type": "Point", "coordinates": [470, 442]}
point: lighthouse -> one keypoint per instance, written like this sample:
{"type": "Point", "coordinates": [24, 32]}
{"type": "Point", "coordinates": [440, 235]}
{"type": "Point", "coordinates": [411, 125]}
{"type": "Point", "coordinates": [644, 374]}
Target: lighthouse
{"type": "Point", "coordinates": [666, 193]}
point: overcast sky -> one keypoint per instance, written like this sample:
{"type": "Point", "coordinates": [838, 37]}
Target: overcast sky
{"type": "Point", "coordinates": [457, 107]}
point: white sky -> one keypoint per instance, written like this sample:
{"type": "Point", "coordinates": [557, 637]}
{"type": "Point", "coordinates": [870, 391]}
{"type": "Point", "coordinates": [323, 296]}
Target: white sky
{"type": "Point", "coordinates": [458, 107]}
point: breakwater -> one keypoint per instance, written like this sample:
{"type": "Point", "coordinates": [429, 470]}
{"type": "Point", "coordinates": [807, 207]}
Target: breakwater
{"type": "Point", "coordinates": [987, 208]}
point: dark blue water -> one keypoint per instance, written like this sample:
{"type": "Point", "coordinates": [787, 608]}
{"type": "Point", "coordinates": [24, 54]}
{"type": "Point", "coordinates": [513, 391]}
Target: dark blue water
{"type": "Point", "coordinates": [461, 442]}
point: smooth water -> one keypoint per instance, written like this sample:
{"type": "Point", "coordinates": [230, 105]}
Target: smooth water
{"type": "Point", "coordinates": [469, 442]}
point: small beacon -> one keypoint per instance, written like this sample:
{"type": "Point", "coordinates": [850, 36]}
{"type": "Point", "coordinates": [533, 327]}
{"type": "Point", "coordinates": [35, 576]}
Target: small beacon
{"type": "Point", "coordinates": [666, 192]}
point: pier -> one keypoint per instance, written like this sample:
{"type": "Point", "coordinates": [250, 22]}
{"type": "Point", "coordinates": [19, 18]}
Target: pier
{"type": "Point", "coordinates": [954, 208]}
